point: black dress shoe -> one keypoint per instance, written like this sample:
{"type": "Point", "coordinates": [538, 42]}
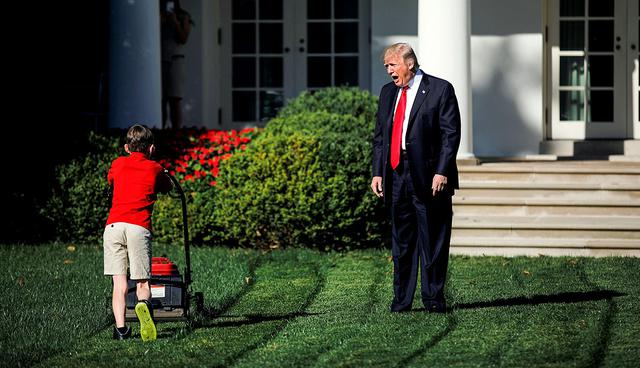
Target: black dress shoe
{"type": "Point", "coordinates": [117, 335]}
{"type": "Point", "coordinates": [436, 307]}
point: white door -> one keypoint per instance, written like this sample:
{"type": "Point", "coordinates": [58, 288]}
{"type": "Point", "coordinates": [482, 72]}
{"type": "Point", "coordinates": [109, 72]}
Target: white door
{"type": "Point", "coordinates": [590, 72]}
{"type": "Point", "coordinates": [634, 67]}
{"type": "Point", "coordinates": [275, 49]}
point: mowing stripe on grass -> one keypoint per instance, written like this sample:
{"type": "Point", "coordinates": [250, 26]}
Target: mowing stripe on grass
{"type": "Point", "coordinates": [340, 308]}
{"type": "Point", "coordinates": [619, 274]}
{"type": "Point", "coordinates": [285, 283]}
{"type": "Point", "coordinates": [508, 330]}
{"type": "Point", "coordinates": [303, 308]}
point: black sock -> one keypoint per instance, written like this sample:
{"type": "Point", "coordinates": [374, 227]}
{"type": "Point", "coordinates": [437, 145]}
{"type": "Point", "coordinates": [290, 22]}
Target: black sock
{"type": "Point", "coordinates": [122, 330]}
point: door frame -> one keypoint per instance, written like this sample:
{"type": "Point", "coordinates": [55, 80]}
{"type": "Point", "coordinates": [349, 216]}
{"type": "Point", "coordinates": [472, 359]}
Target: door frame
{"type": "Point", "coordinates": [295, 75]}
{"type": "Point", "coordinates": [581, 130]}
{"type": "Point", "coordinates": [633, 65]}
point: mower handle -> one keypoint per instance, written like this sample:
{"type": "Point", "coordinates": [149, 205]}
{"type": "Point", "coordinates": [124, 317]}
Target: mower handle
{"type": "Point", "coordinates": [183, 199]}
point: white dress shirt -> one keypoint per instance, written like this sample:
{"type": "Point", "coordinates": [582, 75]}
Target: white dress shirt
{"type": "Point", "coordinates": [414, 85]}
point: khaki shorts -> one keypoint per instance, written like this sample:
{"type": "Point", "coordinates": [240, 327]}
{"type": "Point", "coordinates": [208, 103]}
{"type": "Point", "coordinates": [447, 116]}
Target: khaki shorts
{"type": "Point", "coordinates": [127, 246]}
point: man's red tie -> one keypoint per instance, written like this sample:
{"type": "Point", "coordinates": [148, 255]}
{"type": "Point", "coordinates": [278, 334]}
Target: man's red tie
{"type": "Point", "coordinates": [396, 135]}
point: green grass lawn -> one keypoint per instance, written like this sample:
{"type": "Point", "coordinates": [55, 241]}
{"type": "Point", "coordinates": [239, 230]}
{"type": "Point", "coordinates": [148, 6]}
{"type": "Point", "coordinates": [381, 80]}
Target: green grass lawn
{"type": "Point", "coordinates": [305, 308]}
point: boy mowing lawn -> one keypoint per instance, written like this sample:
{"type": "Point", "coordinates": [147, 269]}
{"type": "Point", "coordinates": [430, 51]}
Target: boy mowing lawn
{"type": "Point", "coordinates": [135, 180]}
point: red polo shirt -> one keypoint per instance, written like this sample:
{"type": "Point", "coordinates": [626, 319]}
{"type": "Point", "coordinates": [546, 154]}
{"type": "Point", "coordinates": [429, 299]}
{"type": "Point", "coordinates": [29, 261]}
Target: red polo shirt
{"type": "Point", "coordinates": [136, 180]}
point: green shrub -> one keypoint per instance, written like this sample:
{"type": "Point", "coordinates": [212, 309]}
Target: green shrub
{"type": "Point", "coordinates": [167, 215]}
{"type": "Point", "coordinates": [303, 182]}
{"type": "Point", "coordinates": [79, 203]}
{"type": "Point", "coordinates": [339, 100]}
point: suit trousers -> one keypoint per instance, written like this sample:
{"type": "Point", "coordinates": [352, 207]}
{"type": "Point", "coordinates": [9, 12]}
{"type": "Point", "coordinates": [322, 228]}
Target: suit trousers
{"type": "Point", "coordinates": [420, 238]}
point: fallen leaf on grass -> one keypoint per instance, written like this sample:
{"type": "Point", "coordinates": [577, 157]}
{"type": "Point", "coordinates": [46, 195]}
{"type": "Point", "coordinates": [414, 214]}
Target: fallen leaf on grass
{"type": "Point", "coordinates": [526, 272]}
{"type": "Point", "coordinates": [68, 261]}
{"type": "Point", "coordinates": [247, 280]}
{"type": "Point", "coordinates": [20, 281]}
{"type": "Point", "coordinates": [572, 262]}
{"type": "Point", "coordinates": [390, 258]}
{"type": "Point", "coordinates": [71, 248]}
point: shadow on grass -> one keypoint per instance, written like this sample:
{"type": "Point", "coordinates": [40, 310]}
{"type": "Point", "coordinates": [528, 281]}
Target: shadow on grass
{"type": "Point", "coordinates": [560, 298]}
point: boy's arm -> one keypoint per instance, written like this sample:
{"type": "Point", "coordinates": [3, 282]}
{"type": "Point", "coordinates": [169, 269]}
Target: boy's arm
{"type": "Point", "coordinates": [163, 183]}
{"type": "Point", "coordinates": [110, 176]}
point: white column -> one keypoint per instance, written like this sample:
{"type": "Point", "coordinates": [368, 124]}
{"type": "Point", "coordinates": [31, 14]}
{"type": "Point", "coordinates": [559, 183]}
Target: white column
{"type": "Point", "coordinates": [134, 64]}
{"type": "Point", "coordinates": [444, 51]}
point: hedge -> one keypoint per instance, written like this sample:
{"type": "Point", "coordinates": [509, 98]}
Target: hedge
{"type": "Point", "coordinates": [303, 181]}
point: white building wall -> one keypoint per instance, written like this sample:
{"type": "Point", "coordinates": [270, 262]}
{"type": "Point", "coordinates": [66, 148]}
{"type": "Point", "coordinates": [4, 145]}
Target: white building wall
{"type": "Point", "coordinates": [201, 101]}
{"type": "Point", "coordinates": [391, 22]}
{"type": "Point", "coordinates": [507, 76]}
{"type": "Point", "coordinates": [506, 67]}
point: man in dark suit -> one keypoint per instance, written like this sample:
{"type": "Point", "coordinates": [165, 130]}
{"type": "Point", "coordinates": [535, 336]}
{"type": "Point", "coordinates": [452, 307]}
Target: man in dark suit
{"type": "Point", "coordinates": [415, 144]}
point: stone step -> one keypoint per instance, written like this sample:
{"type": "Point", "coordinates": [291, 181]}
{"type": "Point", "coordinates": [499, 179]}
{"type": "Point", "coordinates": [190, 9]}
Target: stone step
{"type": "Point", "coordinates": [550, 210]}
{"type": "Point", "coordinates": [537, 242]}
{"type": "Point", "coordinates": [609, 223]}
{"type": "Point", "coordinates": [559, 167]}
{"type": "Point", "coordinates": [537, 251]}
{"type": "Point", "coordinates": [567, 184]}
{"type": "Point", "coordinates": [577, 208]}
{"type": "Point", "coordinates": [546, 233]}
{"type": "Point", "coordinates": [540, 197]}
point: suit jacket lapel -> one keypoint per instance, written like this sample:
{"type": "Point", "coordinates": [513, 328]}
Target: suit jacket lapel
{"type": "Point", "coordinates": [421, 96]}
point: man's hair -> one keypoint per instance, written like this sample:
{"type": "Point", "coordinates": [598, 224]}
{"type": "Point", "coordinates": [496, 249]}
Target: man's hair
{"type": "Point", "coordinates": [405, 51]}
{"type": "Point", "coordinates": [139, 138]}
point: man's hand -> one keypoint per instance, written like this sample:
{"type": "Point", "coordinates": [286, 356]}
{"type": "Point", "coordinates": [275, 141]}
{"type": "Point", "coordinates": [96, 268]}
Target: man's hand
{"type": "Point", "coordinates": [438, 184]}
{"type": "Point", "coordinates": [376, 186]}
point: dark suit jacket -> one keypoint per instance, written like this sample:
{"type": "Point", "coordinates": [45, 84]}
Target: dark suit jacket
{"type": "Point", "coordinates": [433, 136]}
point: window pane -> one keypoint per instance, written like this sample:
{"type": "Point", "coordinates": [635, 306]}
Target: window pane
{"type": "Point", "coordinates": [244, 106]}
{"type": "Point", "coordinates": [244, 71]}
{"type": "Point", "coordinates": [270, 104]}
{"type": "Point", "coordinates": [571, 105]}
{"type": "Point", "coordinates": [318, 71]}
{"type": "Point", "coordinates": [601, 106]}
{"type": "Point", "coordinates": [319, 35]}
{"type": "Point", "coordinates": [271, 72]}
{"type": "Point", "coordinates": [346, 71]}
{"type": "Point", "coordinates": [571, 71]}
{"type": "Point", "coordinates": [601, 35]}
{"type": "Point", "coordinates": [346, 9]}
{"type": "Point", "coordinates": [346, 37]}
{"type": "Point", "coordinates": [270, 9]}
{"type": "Point", "coordinates": [319, 9]}
{"type": "Point", "coordinates": [243, 38]}
{"type": "Point", "coordinates": [601, 70]}
{"type": "Point", "coordinates": [571, 8]}
{"type": "Point", "coordinates": [571, 35]}
{"type": "Point", "coordinates": [271, 38]}
{"type": "Point", "coordinates": [243, 9]}
{"type": "Point", "coordinates": [601, 8]}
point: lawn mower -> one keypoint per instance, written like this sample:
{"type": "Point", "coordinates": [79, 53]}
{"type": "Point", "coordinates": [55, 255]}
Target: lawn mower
{"type": "Point", "coordinates": [171, 294]}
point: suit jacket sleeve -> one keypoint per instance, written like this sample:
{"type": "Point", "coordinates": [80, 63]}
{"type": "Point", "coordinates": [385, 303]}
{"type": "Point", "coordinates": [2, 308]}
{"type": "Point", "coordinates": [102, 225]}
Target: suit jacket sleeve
{"type": "Point", "coordinates": [378, 144]}
{"type": "Point", "coordinates": [449, 130]}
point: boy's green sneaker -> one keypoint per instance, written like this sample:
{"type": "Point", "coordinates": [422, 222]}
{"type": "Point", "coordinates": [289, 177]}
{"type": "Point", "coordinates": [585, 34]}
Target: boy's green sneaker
{"type": "Point", "coordinates": [147, 326]}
